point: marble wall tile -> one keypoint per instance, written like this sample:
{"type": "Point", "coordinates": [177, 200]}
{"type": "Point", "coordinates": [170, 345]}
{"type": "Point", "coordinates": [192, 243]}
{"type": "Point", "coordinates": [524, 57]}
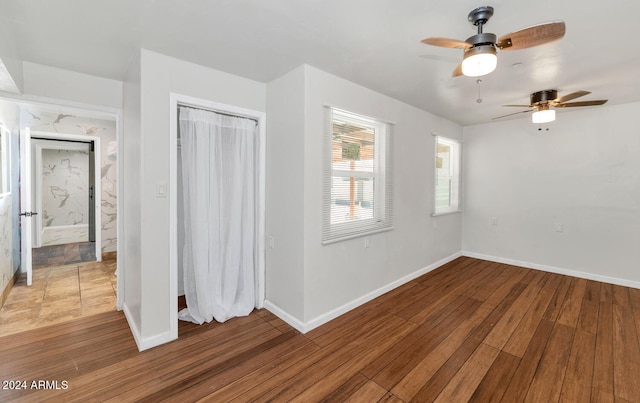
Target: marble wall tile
{"type": "Point", "coordinates": [106, 130]}
{"type": "Point", "coordinates": [6, 245]}
{"type": "Point", "coordinates": [65, 192]}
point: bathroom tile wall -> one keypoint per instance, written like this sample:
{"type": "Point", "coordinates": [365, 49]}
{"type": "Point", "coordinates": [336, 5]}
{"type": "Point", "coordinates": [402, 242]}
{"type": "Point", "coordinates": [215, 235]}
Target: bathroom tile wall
{"type": "Point", "coordinates": [106, 130]}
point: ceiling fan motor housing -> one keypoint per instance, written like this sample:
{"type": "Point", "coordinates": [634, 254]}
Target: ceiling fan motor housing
{"type": "Point", "coordinates": [481, 39]}
{"type": "Point", "coordinates": [480, 15]}
{"type": "Point", "coordinates": [543, 97]}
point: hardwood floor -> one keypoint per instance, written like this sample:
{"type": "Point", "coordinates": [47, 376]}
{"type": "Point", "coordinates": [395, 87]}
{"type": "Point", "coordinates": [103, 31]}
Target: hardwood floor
{"type": "Point", "coordinates": [471, 330]}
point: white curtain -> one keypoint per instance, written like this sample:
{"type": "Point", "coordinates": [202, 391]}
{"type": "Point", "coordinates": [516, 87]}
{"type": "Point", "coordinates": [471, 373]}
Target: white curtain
{"type": "Point", "coordinates": [220, 204]}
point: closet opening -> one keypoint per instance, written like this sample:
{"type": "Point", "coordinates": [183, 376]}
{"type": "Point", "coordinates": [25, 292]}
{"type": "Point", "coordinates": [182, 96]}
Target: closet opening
{"type": "Point", "coordinates": [217, 256]}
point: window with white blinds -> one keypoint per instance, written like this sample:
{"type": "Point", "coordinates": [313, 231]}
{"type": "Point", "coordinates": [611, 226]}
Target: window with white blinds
{"type": "Point", "coordinates": [357, 176]}
{"type": "Point", "coordinates": [447, 181]}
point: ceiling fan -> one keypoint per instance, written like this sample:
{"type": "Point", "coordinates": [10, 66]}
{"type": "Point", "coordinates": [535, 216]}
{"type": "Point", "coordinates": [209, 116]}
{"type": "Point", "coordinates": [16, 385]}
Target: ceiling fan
{"type": "Point", "coordinates": [541, 103]}
{"type": "Point", "coordinates": [480, 49]}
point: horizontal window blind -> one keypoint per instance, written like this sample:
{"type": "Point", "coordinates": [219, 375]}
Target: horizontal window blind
{"type": "Point", "coordinates": [358, 188]}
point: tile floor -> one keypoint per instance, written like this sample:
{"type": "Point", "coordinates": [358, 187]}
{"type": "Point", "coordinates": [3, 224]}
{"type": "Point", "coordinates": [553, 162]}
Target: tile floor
{"type": "Point", "coordinates": [65, 286]}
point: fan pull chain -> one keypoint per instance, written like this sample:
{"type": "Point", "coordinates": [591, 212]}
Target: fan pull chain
{"type": "Point", "coordinates": [479, 100]}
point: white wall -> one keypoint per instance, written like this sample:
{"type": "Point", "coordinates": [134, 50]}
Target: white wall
{"type": "Point", "coordinates": [583, 174]}
{"type": "Point", "coordinates": [131, 148]}
{"type": "Point", "coordinates": [285, 193]}
{"type": "Point", "coordinates": [339, 276]}
{"type": "Point", "coordinates": [54, 83]}
{"type": "Point", "coordinates": [10, 61]}
{"type": "Point", "coordinates": [159, 76]}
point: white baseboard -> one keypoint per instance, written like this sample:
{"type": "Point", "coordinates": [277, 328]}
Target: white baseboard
{"type": "Point", "coordinates": [304, 327]}
{"type": "Point", "coordinates": [149, 342]}
{"type": "Point", "coordinates": [132, 325]}
{"type": "Point", "coordinates": [553, 269]}
{"type": "Point", "coordinates": [285, 316]}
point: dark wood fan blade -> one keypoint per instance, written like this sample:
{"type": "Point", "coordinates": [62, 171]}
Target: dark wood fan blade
{"type": "Point", "coordinates": [446, 43]}
{"type": "Point", "coordinates": [583, 103]}
{"type": "Point", "coordinates": [532, 36]}
{"type": "Point", "coordinates": [519, 106]}
{"type": "Point", "coordinates": [571, 96]}
{"type": "Point", "coordinates": [511, 114]}
{"type": "Point", "coordinates": [458, 71]}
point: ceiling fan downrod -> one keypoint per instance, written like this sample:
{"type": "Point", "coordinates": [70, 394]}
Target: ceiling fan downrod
{"type": "Point", "coordinates": [479, 17]}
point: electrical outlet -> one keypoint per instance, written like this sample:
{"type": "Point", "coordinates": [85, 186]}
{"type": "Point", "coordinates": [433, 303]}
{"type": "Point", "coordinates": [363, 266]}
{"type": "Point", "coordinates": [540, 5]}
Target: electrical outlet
{"type": "Point", "coordinates": [559, 228]}
{"type": "Point", "coordinates": [494, 221]}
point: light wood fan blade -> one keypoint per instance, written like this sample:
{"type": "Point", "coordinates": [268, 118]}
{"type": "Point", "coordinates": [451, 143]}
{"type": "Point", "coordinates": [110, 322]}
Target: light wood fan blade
{"type": "Point", "coordinates": [583, 103]}
{"type": "Point", "coordinates": [532, 36]}
{"type": "Point", "coordinates": [446, 43]}
{"type": "Point", "coordinates": [571, 96]}
{"type": "Point", "coordinates": [511, 114]}
{"type": "Point", "coordinates": [519, 106]}
{"type": "Point", "coordinates": [457, 71]}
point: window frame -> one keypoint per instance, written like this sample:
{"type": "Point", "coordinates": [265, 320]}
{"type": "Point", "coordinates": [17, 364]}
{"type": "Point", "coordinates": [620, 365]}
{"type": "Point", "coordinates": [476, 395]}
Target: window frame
{"type": "Point", "coordinates": [382, 219]}
{"type": "Point", "coordinates": [454, 205]}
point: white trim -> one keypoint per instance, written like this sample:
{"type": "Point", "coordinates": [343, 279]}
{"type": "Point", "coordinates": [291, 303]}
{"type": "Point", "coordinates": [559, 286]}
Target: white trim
{"type": "Point", "coordinates": [456, 175]}
{"type": "Point", "coordinates": [37, 146]}
{"type": "Point", "coordinates": [436, 134]}
{"type": "Point", "coordinates": [132, 325]}
{"type": "Point", "coordinates": [97, 178]}
{"type": "Point", "coordinates": [285, 316]}
{"type": "Point", "coordinates": [176, 99]}
{"type": "Point", "coordinates": [358, 235]}
{"type": "Point", "coordinates": [553, 269]}
{"type": "Point", "coordinates": [149, 342]}
{"type": "Point", "coordinates": [320, 320]}
{"type": "Point", "coordinates": [445, 213]}
{"type": "Point", "coordinates": [368, 118]}
{"type": "Point", "coordinates": [120, 215]}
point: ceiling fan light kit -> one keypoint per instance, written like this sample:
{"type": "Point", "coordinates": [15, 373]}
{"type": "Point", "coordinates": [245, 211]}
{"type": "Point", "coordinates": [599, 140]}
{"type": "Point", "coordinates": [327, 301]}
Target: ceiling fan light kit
{"type": "Point", "coordinates": [479, 61]}
{"type": "Point", "coordinates": [543, 116]}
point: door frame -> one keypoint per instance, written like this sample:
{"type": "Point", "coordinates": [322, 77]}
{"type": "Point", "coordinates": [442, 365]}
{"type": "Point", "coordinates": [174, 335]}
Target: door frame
{"type": "Point", "coordinates": [37, 146]}
{"type": "Point", "coordinates": [97, 178]}
{"type": "Point", "coordinates": [176, 100]}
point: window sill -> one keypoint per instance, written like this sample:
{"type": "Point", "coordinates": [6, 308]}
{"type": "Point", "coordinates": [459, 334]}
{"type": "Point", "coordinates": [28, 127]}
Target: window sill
{"type": "Point", "coordinates": [351, 236]}
{"type": "Point", "coordinates": [446, 213]}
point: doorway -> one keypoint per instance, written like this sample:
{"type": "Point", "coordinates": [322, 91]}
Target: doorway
{"type": "Point", "coordinates": [65, 184]}
{"type": "Point", "coordinates": [176, 101]}
{"type": "Point", "coordinates": [63, 192]}
{"type": "Point", "coordinates": [81, 267]}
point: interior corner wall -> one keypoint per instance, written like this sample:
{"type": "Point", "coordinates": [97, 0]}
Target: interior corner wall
{"type": "Point", "coordinates": [130, 238]}
{"type": "Point", "coordinates": [342, 275]}
{"type": "Point", "coordinates": [160, 76]}
{"type": "Point", "coordinates": [565, 200]}
{"type": "Point", "coordinates": [284, 227]}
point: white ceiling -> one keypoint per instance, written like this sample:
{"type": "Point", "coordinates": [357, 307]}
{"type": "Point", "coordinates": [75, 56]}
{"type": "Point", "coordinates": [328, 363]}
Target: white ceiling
{"type": "Point", "coordinates": [375, 43]}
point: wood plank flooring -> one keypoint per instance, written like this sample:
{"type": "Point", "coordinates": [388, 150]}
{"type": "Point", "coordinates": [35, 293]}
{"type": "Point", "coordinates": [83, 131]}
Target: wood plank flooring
{"type": "Point", "coordinates": [471, 330]}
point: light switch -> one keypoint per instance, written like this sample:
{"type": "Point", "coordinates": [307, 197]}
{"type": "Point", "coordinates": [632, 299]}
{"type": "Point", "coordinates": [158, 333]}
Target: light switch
{"type": "Point", "coordinates": [161, 189]}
